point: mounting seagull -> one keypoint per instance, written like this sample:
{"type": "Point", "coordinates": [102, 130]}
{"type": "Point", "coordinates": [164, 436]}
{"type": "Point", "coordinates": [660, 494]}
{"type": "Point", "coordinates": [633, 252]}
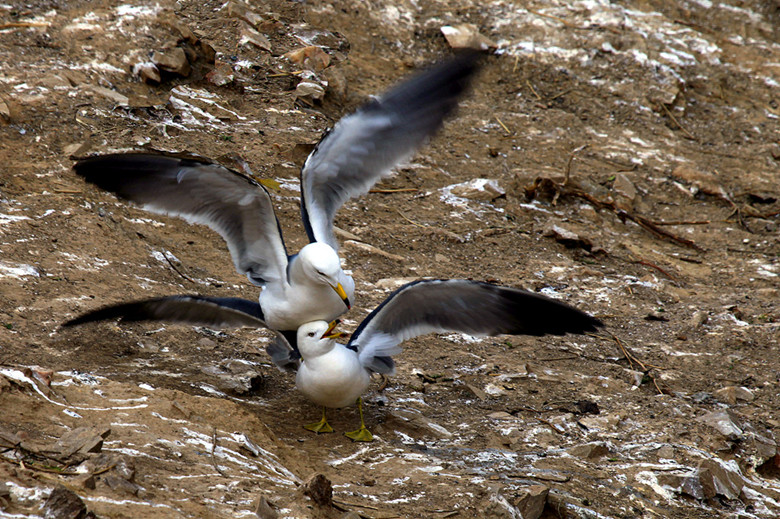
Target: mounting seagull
{"type": "Point", "coordinates": [361, 148]}
{"type": "Point", "coordinates": [336, 375]}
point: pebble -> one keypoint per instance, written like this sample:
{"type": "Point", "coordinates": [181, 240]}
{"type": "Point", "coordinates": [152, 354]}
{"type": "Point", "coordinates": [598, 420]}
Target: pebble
{"type": "Point", "coordinates": [264, 510]}
{"type": "Point", "coordinates": [63, 504]}
{"type": "Point", "coordinates": [483, 189]}
{"type": "Point", "coordinates": [731, 394]}
{"type": "Point", "coordinates": [466, 36]}
{"type": "Point", "coordinates": [725, 422]}
{"type": "Point", "coordinates": [173, 61]}
{"type": "Point", "coordinates": [251, 36]}
{"type": "Point", "coordinates": [698, 319]}
{"type": "Point", "coordinates": [147, 71]}
{"type": "Point", "coordinates": [311, 58]}
{"type": "Point", "coordinates": [589, 451]}
{"type": "Point", "coordinates": [530, 501]}
{"type": "Point", "coordinates": [624, 187]}
{"type": "Point", "coordinates": [112, 95]}
{"type": "Point", "coordinates": [309, 90]}
{"type": "Point", "coordinates": [319, 489]}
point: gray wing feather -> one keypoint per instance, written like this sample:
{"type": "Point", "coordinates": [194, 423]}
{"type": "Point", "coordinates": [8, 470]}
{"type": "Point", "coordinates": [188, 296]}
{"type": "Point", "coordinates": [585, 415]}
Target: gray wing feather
{"type": "Point", "coordinates": [458, 305]}
{"type": "Point", "coordinates": [215, 312]}
{"type": "Point", "coordinates": [365, 146]}
{"type": "Point", "coordinates": [233, 205]}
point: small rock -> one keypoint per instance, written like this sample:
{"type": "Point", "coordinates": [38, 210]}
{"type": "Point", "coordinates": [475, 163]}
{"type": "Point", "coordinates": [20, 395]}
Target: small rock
{"type": "Point", "coordinates": [698, 319]}
{"type": "Point", "coordinates": [701, 181]}
{"type": "Point", "coordinates": [82, 440]}
{"type": "Point", "coordinates": [309, 90]}
{"type": "Point", "coordinates": [589, 451]}
{"type": "Point", "coordinates": [311, 58]}
{"type": "Point", "coordinates": [365, 247]}
{"type": "Point", "coordinates": [221, 75]}
{"type": "Point", "coordinates": [252, 37]}
{"type": "Point", "coordinates": [173, 61]}
{"type": "Point", "coordinates": [768, 225]}
{"type": "Point", "coordinates": [567, 238]}
{"type": "Point", "coordinates": [717, 480]}
{"type": "Point", "coordinates": [466, 36]}
{"type": "Point", "coordinates": [77, 149]}
{"type": "Point", "coordinates": [5, 112]}
{"type": "Point", "coordinates": [85, 481]}
{"type": "Point", "coordinates": [531, 500]}
{"type": "Point", "coordinates": [319, 489]}
{"type": "Point", "coordinates": [264, 509]}
{"type": "Point", "coordinates": [393, 283]}
{"type": "Point", "coordinates": [501, 415]}
{"type": "Point", "coordinates": [413, 418]}
{"type": "Point", "coordinates": [148, 72]}
{"type": "Point", "coordinates": [351, 515]}
{"type": "Point", "coordinates": [479, 189]}
{"type": "Point", "coordinates": [112, 95]}
{"type": "Point", "coordinates": [624, 187]}
{"type": "Point", "coordinates": [243, 12]}
{"type": "Point", "coordinates": [235, 378]}
{"type": "Point", "coordinates": [75, 77]}
{"type": "Point", "coordinates": [63, 504]}
{"type": "Point", "coordinates": [730, 394]}
{"type": "Point", "coordinates": [656, 316]}
{"type": "Point", "coordinates": [337, 83]}
{"type": "Point", "coordinates": [119, 484]}
{"type": "Point", "coordinates": [725, 422]}
{"type": "Point", "coordinates": [477, 392]}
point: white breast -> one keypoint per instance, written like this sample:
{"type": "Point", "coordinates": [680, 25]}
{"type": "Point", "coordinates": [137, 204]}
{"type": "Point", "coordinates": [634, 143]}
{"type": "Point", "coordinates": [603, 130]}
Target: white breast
{"type": "Point", "coordinates": [335, 379]}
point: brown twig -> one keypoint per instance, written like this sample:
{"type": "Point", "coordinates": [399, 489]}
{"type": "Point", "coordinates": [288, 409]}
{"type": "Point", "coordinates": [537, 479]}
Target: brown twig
{"type": "Point", "coordinates": [503, 125]}
{"type": "Point", "coordinates": [185, 276]}
{"type": "Point", "coordinates": [672, 117]}
{"type": "Point", "coordinates": [682, 222]}
{"type": "Point", "coordinates": [571, 159]}
{"type": "Point", "coordinates": [18, 25]}
{"type": "Point", "coordinates": [398, 190]}
{"type": "Point", "coordinates": [533, 90]}
{"type": "Point", "coordinates": [640, 261]}
{"type": "Point", "coordinates": [552, 17]}
{"type": "Point", "coordinates": [550, 425]}
{"type": "Point", "coordinates": [556, 96]}
{"type": "Point", "coordinates": [213, 449]}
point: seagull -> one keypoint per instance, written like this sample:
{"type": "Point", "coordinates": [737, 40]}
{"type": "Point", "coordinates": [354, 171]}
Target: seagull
{"type": "Point", "coordinates": [335, 375]}
{"type": "Point", "coordinates": [361, 148]}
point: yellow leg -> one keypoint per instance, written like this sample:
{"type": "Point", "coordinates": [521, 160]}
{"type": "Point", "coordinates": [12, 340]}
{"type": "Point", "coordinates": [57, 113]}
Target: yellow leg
{"type": "Point", "coordinates": [362, 434]}
{"type": "Point", "coordinates": [320, 427]}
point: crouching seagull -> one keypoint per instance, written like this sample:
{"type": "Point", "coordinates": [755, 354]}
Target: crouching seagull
{"type": "Point", "coordinates": [335, 375]}
{"type": "Point", "coordinates": [361, 148]}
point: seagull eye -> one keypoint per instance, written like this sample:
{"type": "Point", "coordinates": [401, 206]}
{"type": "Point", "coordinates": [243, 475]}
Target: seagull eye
{"type": "Point", "coordinates": [311, 334]}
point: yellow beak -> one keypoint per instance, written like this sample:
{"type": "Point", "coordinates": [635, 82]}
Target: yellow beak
{"type": "Point", "coordinates": [330, 334]}
{"type": "Point", "coordinates": [342, 294]}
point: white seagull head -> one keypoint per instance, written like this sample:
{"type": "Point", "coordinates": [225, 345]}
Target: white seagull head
{"type": "Point", "coordinates": [322, 264]}
{"type": "Point", "coordinates": [316, 338]}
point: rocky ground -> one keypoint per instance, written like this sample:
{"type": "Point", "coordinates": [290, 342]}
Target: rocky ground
{"type": "Point", "coordinates": [623, 157]}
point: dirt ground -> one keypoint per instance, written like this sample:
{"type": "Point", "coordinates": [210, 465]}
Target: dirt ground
{"type": "Point", "coordinates": [663, 114]}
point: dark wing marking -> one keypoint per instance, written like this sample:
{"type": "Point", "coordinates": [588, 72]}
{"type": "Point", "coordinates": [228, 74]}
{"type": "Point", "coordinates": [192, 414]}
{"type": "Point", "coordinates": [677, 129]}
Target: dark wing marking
{"type": "Point", "coordinates": [215, 312]}
{"type": "Point", "coordinates": [364, 146]}
{"type": "Point", "coordinates": [457, 305]}
{"type": "Point", "coordinates": [233, 205]}
{"type": "Point", "coordinates": [283, 354]}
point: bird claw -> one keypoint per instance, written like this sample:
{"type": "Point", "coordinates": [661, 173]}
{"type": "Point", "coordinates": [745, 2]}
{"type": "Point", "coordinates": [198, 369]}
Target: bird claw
{"type": "Point", "coordinates": [319, 427]}
{"type": "Point", "coordinates": [361, 435]}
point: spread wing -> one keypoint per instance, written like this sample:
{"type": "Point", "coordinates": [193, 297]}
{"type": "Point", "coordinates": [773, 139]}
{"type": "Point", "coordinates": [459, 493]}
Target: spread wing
{"type": "Point", "coordinates": [214, 312]}
{"type": "Point", "coordinates": [459, 305]}
{"type": "Point", "coordinates": [233, 205]}
{"type": "Point", "coordinates": [365, 146]}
